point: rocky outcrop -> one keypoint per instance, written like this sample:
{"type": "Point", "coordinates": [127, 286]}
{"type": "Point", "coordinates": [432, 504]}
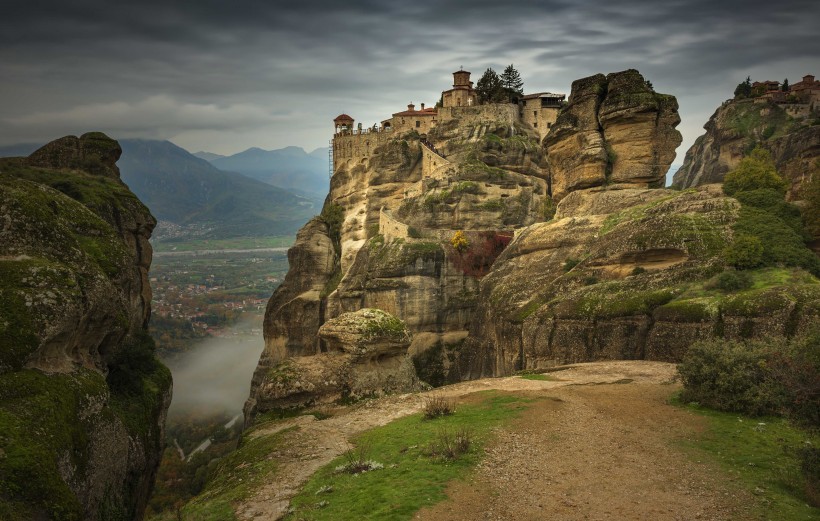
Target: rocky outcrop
{"type": "Point", "coordinates": [736, 128]}
{"type": "Point", "coordinates": [82, 396]}
{"type": "Point", "coordinates": [625, 274]}
{"type": "Point", "coordinates": [365, 355]}
{"type": "Point", "coordinates": [615, 131]}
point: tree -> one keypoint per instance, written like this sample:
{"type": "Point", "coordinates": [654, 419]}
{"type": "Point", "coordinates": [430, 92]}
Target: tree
{"type": "Point", "coordinates": [489, 87]}
{"type": "Point", "coordinates": [785, 86]}
{"type": "Point", "coordinates": [511, 82]}
{"type": "Point", "coordinates": [744, 89]}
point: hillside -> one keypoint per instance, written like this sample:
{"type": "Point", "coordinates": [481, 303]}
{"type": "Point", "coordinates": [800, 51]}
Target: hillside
{"type": "Point", "coordinates": [206, 202]}
{"type": "Point", "coordinates": [290, 168]}
{"type": "Point", "coordinates": [82, 397]}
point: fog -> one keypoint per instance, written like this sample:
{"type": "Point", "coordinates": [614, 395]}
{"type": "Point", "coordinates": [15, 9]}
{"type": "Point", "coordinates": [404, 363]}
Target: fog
{"type": "Point", "coordinates": [214, 376]}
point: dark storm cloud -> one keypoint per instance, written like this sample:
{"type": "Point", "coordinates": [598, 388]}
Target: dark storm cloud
{"type": "Point", "coordinates": [234, 74]}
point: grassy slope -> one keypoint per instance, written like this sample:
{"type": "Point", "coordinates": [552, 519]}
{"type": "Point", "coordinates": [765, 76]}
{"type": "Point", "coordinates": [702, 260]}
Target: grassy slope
{"type": "Point", "coordinates": [760, 454]}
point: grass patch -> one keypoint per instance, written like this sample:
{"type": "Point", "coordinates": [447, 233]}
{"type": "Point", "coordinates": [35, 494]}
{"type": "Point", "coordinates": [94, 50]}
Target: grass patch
{"type": "Point", "coordinates": [539, 377]}
{"type": "Point", "coordinates": [410, 479]}
{"type": "Point", "coordinates": [238, 474]}
{"type": "Point", "coordinates": [763, 455]}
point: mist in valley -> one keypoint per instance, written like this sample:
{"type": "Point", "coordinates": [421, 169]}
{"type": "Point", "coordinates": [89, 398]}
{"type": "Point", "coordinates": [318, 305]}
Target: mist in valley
{"type": "Point", "coordinates": [213, 378]}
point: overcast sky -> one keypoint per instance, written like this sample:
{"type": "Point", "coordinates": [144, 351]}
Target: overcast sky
{"type": "Point", "coordinates": [225, 76]}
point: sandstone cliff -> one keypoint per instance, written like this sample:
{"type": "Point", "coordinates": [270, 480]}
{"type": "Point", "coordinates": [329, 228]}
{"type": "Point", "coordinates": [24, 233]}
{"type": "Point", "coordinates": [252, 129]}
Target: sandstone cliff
{"type": "Point", "coordinates": [82, 398]}
{"type": "Point", "coordinates": [737, 127]}
{"type": "Point", "coordinates": [615, 131]}
{"type": "Point", "coordinates": [384, 237]}
{"type": "Point", "coordinates": [627, 274]}
{"type": "Point", "coordinates": [623, 270]}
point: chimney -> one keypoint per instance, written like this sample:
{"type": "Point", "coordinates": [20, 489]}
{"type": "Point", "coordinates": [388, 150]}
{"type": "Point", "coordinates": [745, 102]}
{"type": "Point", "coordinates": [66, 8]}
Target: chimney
{"type": "Point", "coordinates": [422, 106]}
{"type": "Point", "coordinates": [411, 107]}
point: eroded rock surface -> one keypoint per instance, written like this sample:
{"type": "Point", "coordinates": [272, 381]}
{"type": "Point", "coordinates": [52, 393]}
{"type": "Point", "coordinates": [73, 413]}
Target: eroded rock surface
{"type": "Point", "coordinates": [736, 128]}
{"type": "Point", "coordinates": [623, 274]}
{"type": "Point", "coordinates": [365, 355]}
{"type": "Point", "coordinates": [83, 396]}
{"type": "Point", "coordinates": [615, 130]}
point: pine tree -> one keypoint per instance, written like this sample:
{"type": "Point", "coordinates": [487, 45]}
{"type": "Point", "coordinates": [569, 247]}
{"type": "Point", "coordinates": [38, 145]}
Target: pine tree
{"type": "Point", "coordinates": [489, 87]}
{"type": "Point", "coordinates": [785, 86]}
{"type": "Point", "coordinates": [511, 82]}
{"type": "Point", "coordinates": [744, 89]}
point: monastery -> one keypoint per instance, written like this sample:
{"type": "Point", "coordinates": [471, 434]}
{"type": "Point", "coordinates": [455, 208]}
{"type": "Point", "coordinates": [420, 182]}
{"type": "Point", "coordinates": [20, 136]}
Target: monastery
{"type": "Point", "coordinates": [352, 144]}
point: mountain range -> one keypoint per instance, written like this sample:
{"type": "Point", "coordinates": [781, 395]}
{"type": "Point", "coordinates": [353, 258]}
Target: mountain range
{"type": "Point", "coordinates": [190, 192]}
{"type": "Point", "coordinates": [290, 168]}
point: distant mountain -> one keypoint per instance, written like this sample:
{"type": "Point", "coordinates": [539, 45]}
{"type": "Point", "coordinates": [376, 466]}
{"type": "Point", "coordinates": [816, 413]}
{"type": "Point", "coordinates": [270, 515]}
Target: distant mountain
{"type": "Point", "coordinates": [290, 168]}
{"type": "Point", "coordinates": [207, 156]}
{"type": "Point", "coordinates": [19, 150]}
{"type": "Point", "coordinates": [191, 193]}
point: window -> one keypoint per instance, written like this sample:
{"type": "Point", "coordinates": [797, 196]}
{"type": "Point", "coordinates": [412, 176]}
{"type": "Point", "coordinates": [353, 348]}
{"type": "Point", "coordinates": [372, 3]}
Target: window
{"type": "Point", "coordinates": [535, 124]}
{"type": "Point", "coordinates": [535, 113]}
{"type": "Point", "coordinates": [418, 123]}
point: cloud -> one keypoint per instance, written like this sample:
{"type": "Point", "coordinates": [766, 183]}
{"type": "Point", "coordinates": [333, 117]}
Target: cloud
{"type": "Point", "coordinates": [243, 63]}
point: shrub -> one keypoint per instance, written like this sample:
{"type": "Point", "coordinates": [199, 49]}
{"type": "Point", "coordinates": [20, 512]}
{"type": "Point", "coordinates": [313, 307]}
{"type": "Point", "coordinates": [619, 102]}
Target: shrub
{"type": "Point", "coordinates": [333, 215]}
{"type": "Point", "coordinates": [771, 376]}
{"type": "Point", "coordinates": [459, 241]}
{"type": "Point", "coordinates": [745, 252]}
{"type": "Point", "coordinates": [756, 171]}
{"type": "Point", "coordinates": [482, 249]}
{"type": "Point", "coordinates": [728, 376]}
{"type": "Point", "coordinates": [450, 445]}
{"type": "Point", "coordinates": [810, 466]}
{"type": "Point", "coordinates": [571, 263]}
{"type": "Point", "coordinates": [732, 280]}
{"type": "Point", "coordinates": [413, 232]}
{"type": "Point", "coordinates": [436, 406]}
{"type": "Point", "coordinates": [357, 460]}
{"type": "Point", "coordinates": [637, 270]}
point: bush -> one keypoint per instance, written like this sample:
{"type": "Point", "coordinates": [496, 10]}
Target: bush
{"type": "Point", "coordinates": [727, 376]}
{"type": "Point", "coordinates": [459, 242]}
{"type": "Point", "coordinates": [756, 171]}
{"type": "Point", "coordinates": [570, 263]}
{"type": "Point", "coordinates": [451, 445]}
{"type": "Point", "coordinates": [810, 466]}
{"type": "Point", "coordinates": [745, 252]}
{"type": "Point", "coordinates": [731, 280]}
{"type": "Point", "coordinates": [771, 376]}
{"type": "Point", "coordinates": [436, 406]}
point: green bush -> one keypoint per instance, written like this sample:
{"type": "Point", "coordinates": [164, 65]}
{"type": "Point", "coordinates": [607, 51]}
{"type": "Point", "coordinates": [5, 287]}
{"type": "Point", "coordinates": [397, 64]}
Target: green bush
{"type": "Point", "coordinates": [756, 171]}
{"type": "Point", "coordinates": [731, 280]}
{"type": "Point", "coordinates": [770, 376]}
{"type": "Point", "coordinates": [745, 252]}
{"type": "Point", "coordinates": [571, 263]}
{"type": "Point", "coordinates": [728, 376]}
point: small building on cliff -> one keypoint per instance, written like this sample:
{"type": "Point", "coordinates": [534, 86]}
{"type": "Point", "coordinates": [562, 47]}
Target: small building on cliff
{"type": "Point", "coordinates": [354, 145]}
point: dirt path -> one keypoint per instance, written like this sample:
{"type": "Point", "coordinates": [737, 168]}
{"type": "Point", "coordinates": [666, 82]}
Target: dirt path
{"type": "Point", "coordinates": [599, 446]}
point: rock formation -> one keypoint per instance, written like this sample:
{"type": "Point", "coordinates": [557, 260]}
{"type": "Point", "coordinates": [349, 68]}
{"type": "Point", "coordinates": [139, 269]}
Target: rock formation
{"type": "Point", "coordinates": [615, 131]}
{"type": "Point", "coordinates": [736, 128]}
{"type": "Point", "coordinates": [366, 355]}
{"type": "Point", "coordinates": [82, 398]}
{"type": "Point", "coordinates": [453, 233]}
{"type": "Point", "coordinates": [624, 274]}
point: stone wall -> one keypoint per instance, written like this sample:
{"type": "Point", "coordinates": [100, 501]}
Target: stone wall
{"type": "Point", "coordinates": [421, 124]}
{"type": "Point", "coordinates": [357, 146]}
{"type": "Point", "coordinates": [390, 228]}
{"type": "Point", "coordinates": [495, 113]}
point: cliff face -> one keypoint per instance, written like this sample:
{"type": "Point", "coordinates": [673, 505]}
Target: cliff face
{"type": "Point", "coordinates": [615, 131]}
{"type": "Point", "coordinates": [626, 274]}
{"type": "Point", "coordinates": [82, 398]}
{"type": "Point", "coordinates": [736, 128]}
{"type": "Point", "coordinates": [455, 236]}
